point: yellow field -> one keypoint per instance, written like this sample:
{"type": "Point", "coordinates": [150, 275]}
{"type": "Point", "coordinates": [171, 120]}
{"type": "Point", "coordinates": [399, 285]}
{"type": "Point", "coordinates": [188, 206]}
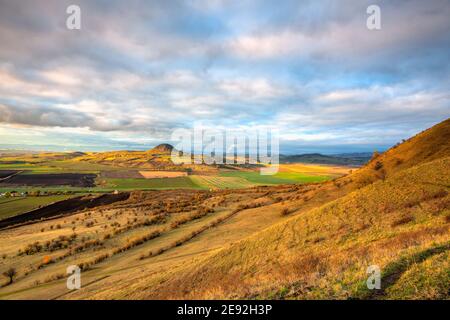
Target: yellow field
{"type": "Point", "coordinates": [315, 169]}
{"type": "Point", "coordinates": [162, 174]}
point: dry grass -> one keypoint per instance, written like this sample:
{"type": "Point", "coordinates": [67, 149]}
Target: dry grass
{"type": "Point", "coordinates": [298, 241]}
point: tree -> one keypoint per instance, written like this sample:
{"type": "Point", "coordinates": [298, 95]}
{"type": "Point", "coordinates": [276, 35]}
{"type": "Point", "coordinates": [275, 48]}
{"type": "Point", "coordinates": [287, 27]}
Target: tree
{"type": "Point", "coordinates": [10, 273]}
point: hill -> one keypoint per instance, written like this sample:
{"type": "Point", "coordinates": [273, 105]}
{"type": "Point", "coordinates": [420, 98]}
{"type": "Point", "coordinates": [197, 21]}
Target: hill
{"type": "Point", "coordinates": [157, 158]}
{"type": "Point", "coordinates": [308, 241]}
{"type": "Point", "coordinates": [400, 223]}
{"type": "Point", "coordinates": [325, 252]}
{"type": "Point", "coordinates": [424, 147]}
{"type": "Point", "coordinates": [162, 148]}
{"type": "Point", "coordinates": [317, 158]}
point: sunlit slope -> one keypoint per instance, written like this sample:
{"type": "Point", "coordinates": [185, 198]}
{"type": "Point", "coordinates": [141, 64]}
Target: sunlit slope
{"type": "Point", "coordinates": [433, 143]}
{"type": "Point", "coordinates": [324, 253]}
{"type": "Point", "coordinates": [287, 241]}
{"type": "Point", "coordinates": [399, 223]}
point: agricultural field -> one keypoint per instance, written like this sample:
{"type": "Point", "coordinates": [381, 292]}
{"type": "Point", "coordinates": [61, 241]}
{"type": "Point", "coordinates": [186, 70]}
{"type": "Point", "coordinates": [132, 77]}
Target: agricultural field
{"type": "Point", "coordinates": [278, 178]}
{"type": "Point", "coordinates": [13, 206]}
{"type": "Point", "coordinates": [287, 174]}
{"type": "Point", "coordinates": [147, 184]}
{"type": "Point", "coordinates": [79, 173]}
{"type": "Point", "coordinates": [53, 179]}
{"type": "Point", "coordinates": [316, 169]}
{"type": "Point", "coordinates": [162, 174]}
{"type": "Point", "coordinates": [218, 182]}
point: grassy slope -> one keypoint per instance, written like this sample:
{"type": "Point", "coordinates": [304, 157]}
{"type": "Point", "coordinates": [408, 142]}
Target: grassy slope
{"type": "Point", "coordinates": [125, 265]}
{"type": "Point", "coordinates": [360, 228]}
{"type": "Point", "coordinates": [426, 146]}
{"type": "Point", "coordinates": [324, 253]}
{"type": "Point", "coordinates": [400, 223]}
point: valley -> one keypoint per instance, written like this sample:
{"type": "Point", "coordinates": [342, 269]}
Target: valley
{"type": "Point", "coordinates": [308, 232]}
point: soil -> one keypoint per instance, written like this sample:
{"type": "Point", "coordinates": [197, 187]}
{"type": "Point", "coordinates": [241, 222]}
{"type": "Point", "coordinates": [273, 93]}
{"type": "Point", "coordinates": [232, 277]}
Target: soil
{"type": "Point", "coordinates": [56, 179]}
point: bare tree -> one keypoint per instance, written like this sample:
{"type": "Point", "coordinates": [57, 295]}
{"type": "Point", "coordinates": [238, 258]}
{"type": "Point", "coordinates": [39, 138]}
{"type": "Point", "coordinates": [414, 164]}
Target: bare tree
{"type": "Point", "coordinates": [10, 273]}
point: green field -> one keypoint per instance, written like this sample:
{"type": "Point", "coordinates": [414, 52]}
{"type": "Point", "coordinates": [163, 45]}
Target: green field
{"type": "Point", "coordinates": [222, 180]}
{"type": "Point", "coordinates": [279, 178]}
{"type": "Point", "coordinates": [149, 184]}
{"type": "Point", "coordinates": [13, 206]}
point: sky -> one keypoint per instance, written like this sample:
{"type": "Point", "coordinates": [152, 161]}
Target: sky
{"type": "Point", "coordinates": [138, 70]}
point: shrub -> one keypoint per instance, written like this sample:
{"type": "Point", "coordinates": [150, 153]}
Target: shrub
{"type": "Point", "coordinates": [89, 224]}
{"type": "Point", "coordinates": [402, 220]}
{"type": "Point", "coordinates": [138, 241]}
{"type": "Point", "coordinates": [284, 212]}
{"type": "Point", "coordinates": [32, 248]}
{"type": "Point", "coordinates": [157, 219]}
{"type": "Point", "coordinates": [378, 165]}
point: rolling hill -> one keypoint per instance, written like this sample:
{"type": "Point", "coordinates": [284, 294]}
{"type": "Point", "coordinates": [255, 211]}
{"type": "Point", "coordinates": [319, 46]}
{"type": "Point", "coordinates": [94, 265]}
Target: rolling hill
{"type": "Point", "coordinates": [397, 224]}
{"type": "Point", "coordinates": [400, 223]}
{"type": "Point", "coordinates": [402, 218]}
{"type": "Point", "coordinates": [317, 158]}
{"type": "Point", "coordinates": [309, 241]}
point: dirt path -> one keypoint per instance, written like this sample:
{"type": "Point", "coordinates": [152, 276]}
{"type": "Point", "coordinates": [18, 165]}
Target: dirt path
{"type": "Point", "coordinates": [10, 176]}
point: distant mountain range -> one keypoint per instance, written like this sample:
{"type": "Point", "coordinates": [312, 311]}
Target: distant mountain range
{"type": "Point", "coordinates": [351, 159]}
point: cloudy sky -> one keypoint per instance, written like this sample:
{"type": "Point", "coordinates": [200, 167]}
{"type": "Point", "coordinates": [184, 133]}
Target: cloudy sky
{"type": "Point", "coordinates": [137, 70]}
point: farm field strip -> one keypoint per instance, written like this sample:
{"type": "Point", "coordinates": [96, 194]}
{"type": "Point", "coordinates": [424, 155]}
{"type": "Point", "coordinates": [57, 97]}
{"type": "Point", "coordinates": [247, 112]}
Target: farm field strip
{"type": "Point", "coordinates": [218, 182]}
{"type": "Point", "coordinates": [162, 174]}
{"type": "Point", "coordinates": [278, 178]}
{"type": "Point", "coordinates": [150, 184]}
{"type": "Point", "coordinates": [315, 169]}
{"type": "Point", "coordinates": [54, 179]}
